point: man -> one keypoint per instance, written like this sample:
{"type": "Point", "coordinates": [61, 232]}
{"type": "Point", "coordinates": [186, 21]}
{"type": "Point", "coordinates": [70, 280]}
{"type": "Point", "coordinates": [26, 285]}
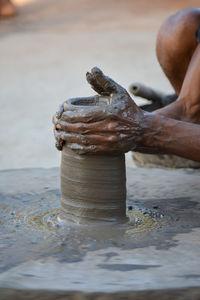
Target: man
{"type": "Point", "coordinates": [174, 129]}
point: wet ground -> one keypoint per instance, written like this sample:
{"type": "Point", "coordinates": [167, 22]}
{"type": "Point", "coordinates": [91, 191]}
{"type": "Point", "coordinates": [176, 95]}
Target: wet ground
{"type": "Point", "coordinates": [45, 52]}
{"type": "Point", "coordinates": [157, 250]}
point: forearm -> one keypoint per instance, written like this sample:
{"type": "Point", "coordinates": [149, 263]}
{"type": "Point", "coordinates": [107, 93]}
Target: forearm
{"type": "Point", "coordinates": [121, 126]}
{"type": "Point", "coordinates": [165, 135]}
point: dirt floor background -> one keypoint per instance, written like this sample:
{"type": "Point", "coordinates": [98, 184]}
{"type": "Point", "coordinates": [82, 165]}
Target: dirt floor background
{"type": "Point", "coordinates": [46, 50]}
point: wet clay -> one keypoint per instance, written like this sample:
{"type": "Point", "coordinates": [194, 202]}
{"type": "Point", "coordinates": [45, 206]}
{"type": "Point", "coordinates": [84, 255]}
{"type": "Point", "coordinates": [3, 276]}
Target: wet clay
{"type": "Point", "coordinates": [93, 186]}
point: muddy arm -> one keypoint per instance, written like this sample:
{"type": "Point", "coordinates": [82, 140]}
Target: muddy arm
{"type": "Point", "coordinates": [168, 136]}
{"type": "Point", "coordinates": [126, 126]}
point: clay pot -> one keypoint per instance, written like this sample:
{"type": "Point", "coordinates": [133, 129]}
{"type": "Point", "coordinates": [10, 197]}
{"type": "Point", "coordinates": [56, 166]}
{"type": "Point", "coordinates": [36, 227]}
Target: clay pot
{"type": "Point", "coordinates": [93, 186]}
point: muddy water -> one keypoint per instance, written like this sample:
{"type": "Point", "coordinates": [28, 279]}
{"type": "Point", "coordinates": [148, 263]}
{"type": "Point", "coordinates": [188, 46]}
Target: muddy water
{"type": "Point", "coordinates": [37, 251]}
{"type": "Point", "coordinates": [30, 223]}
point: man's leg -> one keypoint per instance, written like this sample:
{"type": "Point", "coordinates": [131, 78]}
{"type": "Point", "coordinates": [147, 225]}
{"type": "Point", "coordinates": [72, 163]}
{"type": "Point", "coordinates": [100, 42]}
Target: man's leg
{"type": "Point", "coordinates": [179, 57]}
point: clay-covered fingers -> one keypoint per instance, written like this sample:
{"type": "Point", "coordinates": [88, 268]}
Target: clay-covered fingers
{"type": "Point", "coordinates": [108, 84]}
{"type": "Point", "coordinates": [55, 119]}
{"type": "Point", "coordinates": [94, 84]}
{"type": "Point", "coordinates": [104, 126]}
{"type": "Point", "coordinates": [103, 148]}
{"type": "Point", "coordinates": [87, 140]}
{"type": "Point", "coordinates": [85, 115]}
{"type": "Point", "coordinates": [109, 142]}
{"type": "Point", "coordinates": [60, 110]}
{"type": "Point", "coordinates": [59, 142]}
{"type": "Point", "coordinates": [59, 145]}
{"type": "Point", "coordinates": [80, 128]}
{"type": "Point", "coordinates": [105, 83]}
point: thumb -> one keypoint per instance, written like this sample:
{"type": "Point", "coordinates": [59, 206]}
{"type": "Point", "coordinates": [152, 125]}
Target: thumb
{"type": "Point", "coordinates": [107, 84]}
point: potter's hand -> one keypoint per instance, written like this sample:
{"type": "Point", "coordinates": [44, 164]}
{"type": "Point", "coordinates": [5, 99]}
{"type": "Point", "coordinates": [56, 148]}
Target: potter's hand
{"type": "Point", "coordinates": [114, 129]}
{"type": "Point", "coordinates": [59, 142]}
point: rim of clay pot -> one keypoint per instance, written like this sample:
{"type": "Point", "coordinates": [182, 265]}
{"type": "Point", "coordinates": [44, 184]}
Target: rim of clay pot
{"type": "Point", "coordinates": [84, 102]}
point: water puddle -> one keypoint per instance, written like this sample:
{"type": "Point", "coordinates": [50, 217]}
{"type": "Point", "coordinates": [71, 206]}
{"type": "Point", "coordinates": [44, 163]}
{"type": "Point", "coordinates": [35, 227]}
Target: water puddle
{"type": "Point", "coordinates": [30, 223]}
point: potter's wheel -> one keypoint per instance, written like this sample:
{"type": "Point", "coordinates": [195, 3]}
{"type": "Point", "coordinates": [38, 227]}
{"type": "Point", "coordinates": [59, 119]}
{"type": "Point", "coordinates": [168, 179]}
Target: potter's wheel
{"type": "Point", "coordinates": [42, 257]}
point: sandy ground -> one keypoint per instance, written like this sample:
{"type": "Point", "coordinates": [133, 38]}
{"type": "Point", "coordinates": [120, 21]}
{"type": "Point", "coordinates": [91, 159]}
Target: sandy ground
{"type": "Point", "coordinates": [46, 50]}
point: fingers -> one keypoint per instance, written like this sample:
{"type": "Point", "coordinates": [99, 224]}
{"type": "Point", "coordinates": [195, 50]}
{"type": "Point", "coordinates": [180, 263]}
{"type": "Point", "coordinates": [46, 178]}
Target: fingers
{"type": "Point", "coordinates": [105, 82]}
{"type": "Point", "coordinates": [81, 128]}
{"type": "Point", "coordinates": [59, 142]}
{"type": "Point", "coordinates": [94, 143]}
{"type": "Point", "coordinates": [98, 149]}
{"type": "Point", "coordinates": [95, 129]}
{"type": "Point", "coordinates": [54, 119]}
{"type": "Point", "coordinates": [94, 84]}
{"type": "Point", "coordinates": [85, 144]}
{"type": "Point", "coordinates": [85, 140]}
{"type": "Point", "coordinates": [60, 110]}
{"type": "Point", "coordinates": [90, 115]}
{"type": "Point", "coordinates": [88, 140]}
{"type": "Point", "coordinates": [101, 83]}
{"type": "Point", "coordinates": [104, 126]}
{"type": "Point", "coordinates": [59, 145]}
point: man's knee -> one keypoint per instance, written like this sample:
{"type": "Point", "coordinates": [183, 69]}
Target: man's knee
{"type": "Point", "coordinates": [178, 31]}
